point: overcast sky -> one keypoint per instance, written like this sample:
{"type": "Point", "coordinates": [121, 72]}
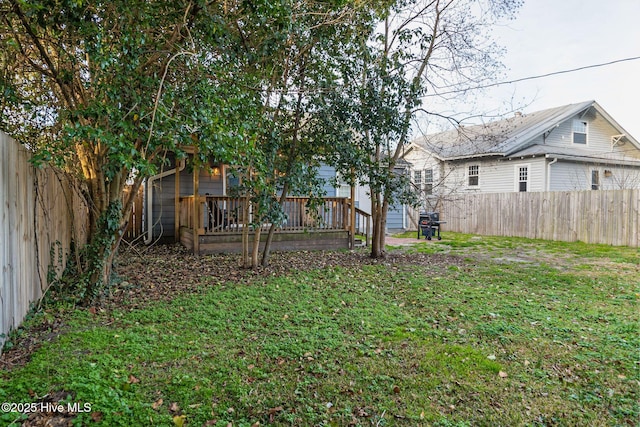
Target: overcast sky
{"type": "Point", "coordinates": [555, 35]}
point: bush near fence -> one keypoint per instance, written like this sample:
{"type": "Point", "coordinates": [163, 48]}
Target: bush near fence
{"type": "Point", "coordinates": [609, 217]}
{"type": "Point", "coordinates": [40, 215]}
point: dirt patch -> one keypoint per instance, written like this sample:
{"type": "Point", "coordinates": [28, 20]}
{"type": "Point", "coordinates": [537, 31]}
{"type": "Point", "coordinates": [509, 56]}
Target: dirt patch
{"type": "Point", "coordinates": [22, 347]}
{"type": "Point", "coordinates": [164, 271]}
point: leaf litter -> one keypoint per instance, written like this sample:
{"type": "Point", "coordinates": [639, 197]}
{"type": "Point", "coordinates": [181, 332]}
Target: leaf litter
{"type": "Point", "coordinates": [162, 272]}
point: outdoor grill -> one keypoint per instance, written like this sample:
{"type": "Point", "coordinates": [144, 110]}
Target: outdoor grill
{"type": "Point", "coordinates": [429, 225]}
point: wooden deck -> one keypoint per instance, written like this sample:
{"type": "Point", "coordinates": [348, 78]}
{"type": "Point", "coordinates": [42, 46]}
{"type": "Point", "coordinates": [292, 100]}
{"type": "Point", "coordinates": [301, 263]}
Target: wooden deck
{"type": "Point", "coordinates": [218, 221]}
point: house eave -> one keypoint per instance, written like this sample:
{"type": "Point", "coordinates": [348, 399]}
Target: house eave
{"type": "Point", "coordinates": [595, 161]}
{"type": "Point", "coordinates": [474, 156]}
{"type": "Point", "coordinates": [616, 125]}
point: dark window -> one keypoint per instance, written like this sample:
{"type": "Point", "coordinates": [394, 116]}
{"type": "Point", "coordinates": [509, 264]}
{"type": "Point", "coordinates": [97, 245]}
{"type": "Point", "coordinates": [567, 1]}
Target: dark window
{"type": "Point", "coordinates": [595, 180]}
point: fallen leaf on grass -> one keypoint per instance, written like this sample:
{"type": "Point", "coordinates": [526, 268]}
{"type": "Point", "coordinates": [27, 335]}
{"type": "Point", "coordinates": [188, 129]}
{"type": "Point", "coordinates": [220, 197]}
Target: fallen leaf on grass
{"type": "Point", "coordinates": [157, 404]}
{"type": "Point", "coordinates": [503, 374]}
{"type": "Point", "coordinates": [276, 409]}
{"type": "Point", "coordinates": [179, 420]}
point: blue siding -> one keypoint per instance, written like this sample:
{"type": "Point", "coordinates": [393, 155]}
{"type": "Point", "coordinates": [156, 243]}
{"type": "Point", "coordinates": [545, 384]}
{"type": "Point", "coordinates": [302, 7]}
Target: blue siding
{"type": "Point", "coordinates": [327, 173]}
{"type": "Point", "coordinates": [394, 217]}
{"type": "Point", "coordinates": [164, 199]}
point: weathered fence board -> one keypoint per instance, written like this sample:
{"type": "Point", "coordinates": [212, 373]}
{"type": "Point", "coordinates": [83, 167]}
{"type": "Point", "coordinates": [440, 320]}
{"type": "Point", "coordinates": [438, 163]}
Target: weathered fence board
{"type": "Point", "coordinates": [40, 215]}
{"type": "Point", "coordinates": [610, 217]}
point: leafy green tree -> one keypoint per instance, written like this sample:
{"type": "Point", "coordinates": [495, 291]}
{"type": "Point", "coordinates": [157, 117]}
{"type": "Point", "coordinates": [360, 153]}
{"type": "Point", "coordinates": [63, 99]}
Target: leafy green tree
{"type": "Point", "coordinates": [104, 88]}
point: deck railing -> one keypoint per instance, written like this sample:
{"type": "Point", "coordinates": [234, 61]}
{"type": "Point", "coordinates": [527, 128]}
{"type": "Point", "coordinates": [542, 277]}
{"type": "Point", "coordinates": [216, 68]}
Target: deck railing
{"type": "Point", "coordinates": [363, 224]}
{"type": "Point", "coordinates": [223, 214]}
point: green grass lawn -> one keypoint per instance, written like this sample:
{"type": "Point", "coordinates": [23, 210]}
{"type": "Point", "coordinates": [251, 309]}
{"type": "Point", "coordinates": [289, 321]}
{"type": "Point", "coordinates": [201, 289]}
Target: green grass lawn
{"type": "Point", "coordinates": [521, 332]}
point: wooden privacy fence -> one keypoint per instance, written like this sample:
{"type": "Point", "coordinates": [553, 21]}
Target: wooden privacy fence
{"type": "Point", "coordinates": [610, 217]}
{"type": "Point", "coordinates": [40, 215]}
{"type": "Point", "coordinates": [135, 225]}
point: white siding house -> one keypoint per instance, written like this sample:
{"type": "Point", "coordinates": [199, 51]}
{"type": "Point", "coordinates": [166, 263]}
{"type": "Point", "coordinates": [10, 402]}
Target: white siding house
{"type": "Point", "coordinates": [573, 147]}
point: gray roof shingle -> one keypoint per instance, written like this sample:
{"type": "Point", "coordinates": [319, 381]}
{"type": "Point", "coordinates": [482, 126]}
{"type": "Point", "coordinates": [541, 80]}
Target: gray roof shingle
{"type": "Point", "coordinates": [499, 138]}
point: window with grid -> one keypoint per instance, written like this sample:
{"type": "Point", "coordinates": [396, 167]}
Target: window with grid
{"type": "Point", "coordinates": [595, 180]}
{"type": "Point", "coordinates": [579, 132]}
{"type": "Point", "coordinates": [417, 178]}
{"type": "Point", "coordinates": [523, 178]}
{"type": "Point", "coordinates": [474, 175]}
{"type": "Point", "coordinates": [428, 181]}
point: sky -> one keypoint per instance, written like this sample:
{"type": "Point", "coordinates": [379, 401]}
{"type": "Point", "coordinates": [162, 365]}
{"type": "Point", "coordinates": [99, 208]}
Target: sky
{"type": "Point", "coordinates": [555, 35]}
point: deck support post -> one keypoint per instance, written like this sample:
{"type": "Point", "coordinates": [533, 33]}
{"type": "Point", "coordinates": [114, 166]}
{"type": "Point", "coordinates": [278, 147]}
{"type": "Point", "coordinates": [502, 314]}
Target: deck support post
{"type": "Point", "coordinates": [176, 221]}
{"type": "Point", "coordinates": [352, 212]}
{"type": "Point", "coordinates": [196, 205]}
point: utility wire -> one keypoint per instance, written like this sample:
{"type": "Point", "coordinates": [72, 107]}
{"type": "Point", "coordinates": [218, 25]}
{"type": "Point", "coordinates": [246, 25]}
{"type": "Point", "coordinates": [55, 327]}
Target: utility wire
{"type": "Point", "coordinates": [634, 58]}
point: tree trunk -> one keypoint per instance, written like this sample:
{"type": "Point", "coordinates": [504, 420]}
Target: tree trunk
{"type": "Point", "coordinates": [246, 261]}
{"type": "Point", "coordinates": [101, 252]}
{"type": "Point", "coordinates": [109, 217]}
{"type": "Point", "coordinates": [267, 245]}
{"type": "Point", "coordinates": [255, 252]}
{"type": "Point", "coordinates": [383, 224]}
{"type": "Point", "coordinates": [272, 229]}
{"type": "Point", "coordinates": [100, 267]}
{"type": "Point", "coordinates": [377, 237]}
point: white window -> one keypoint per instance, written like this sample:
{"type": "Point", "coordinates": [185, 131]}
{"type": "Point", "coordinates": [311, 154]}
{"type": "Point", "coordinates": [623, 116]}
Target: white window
{"type": "Point", "coordinates": [473, 175]}
{"type": "Point", "coordinates": [417, 178]}
{"type": "Point", "coordinates": [579, 132]}
{"type": "Point", "coordinates": [595, 179]}
{"type": "Point", "coordinates": [428, 181]}
{"type": "Point", "coordinates": [522, 178]}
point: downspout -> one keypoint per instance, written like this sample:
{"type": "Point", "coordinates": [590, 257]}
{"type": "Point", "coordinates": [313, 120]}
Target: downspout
{"type": "Point", "coordinates": [150, 181]}
{"type": "Point", "coordinates": [549, 173]}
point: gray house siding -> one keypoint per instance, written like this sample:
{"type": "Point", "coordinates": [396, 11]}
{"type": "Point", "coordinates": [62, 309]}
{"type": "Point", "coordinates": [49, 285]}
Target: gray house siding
{"type": "Point", "coordinates": [328, 173]}
{"type": "Point", "coordinates": [496, 176]}
{"type": "Point", "coordinates": [163, 217]}
{"type": "Point", "coordinates": [569, 176]}
{"type": "Point", "coordinates": [395, 218]}
{"type": "Point", "coordinates": [597, 137]}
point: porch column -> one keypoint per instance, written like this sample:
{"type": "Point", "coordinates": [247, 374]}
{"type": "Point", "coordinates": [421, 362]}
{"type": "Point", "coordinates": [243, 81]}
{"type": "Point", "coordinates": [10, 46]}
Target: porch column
{"type": "Point", "coordinates": [196, 204]}
{"type": "Point", "coordinates": [352, 231]}
{"type": "Point", "coordinates": [176, 221]}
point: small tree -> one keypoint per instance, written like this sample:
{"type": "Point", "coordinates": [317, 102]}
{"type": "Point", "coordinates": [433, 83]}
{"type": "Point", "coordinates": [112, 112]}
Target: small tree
{"type": "Point", "coordinates": [420, 46]}
{"type": "Point", "coordinates": [293, 65]}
